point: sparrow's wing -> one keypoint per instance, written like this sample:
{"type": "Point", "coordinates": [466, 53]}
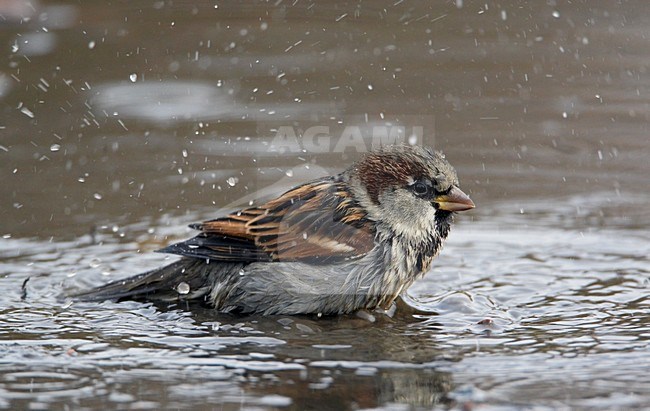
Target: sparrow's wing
{"type": "Point", "coordinates": [317, 222]}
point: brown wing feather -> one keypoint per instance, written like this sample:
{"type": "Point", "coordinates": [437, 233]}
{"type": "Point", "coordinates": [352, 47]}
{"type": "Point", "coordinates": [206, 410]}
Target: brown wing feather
{"type": "Point", "coordinates": [317, 222]}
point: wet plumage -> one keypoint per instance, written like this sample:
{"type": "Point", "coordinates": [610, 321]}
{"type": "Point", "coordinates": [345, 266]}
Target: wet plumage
{"type": "Point", "coordinates": [334, 245]}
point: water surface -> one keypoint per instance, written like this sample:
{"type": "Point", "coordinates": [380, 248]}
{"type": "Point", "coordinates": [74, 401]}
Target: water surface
{"type": "Point", "coordinates": [122, 123]}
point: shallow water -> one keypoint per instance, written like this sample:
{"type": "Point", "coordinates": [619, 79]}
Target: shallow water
{"type": "Point", "coordinates": [121, 124]}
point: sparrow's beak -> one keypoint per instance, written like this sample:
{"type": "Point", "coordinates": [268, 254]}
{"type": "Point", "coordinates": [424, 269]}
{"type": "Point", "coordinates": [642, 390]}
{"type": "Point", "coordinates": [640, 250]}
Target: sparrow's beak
{"type": "Point", "coordinates": [455, 200]}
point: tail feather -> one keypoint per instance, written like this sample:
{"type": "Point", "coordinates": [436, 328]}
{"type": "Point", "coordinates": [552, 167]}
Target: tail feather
{"type": "Point", "coordinates": [185, 279]}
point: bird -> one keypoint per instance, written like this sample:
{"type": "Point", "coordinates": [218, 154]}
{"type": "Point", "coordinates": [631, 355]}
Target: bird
{"type": "Point", "coordinates": [341, 244]}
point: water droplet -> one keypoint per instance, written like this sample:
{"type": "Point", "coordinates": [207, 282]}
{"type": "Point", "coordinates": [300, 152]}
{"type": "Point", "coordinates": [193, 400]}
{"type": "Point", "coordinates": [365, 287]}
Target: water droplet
{"type": "Point", "coordinates": [289, 173]}
{"type": "Point", "coordinates": [369, 86]}
{"type": "Point", "coordinates": [55, 147]}
{"type": "Point", "coordinates": [556, 14]}
{"type": "Point", "coordinates": [183, 288]}
{"type": "Point", "coordinates": [184, 153]}
{"type": "Point", "coordinates": [97, 196]}
{"type": "Point", "coordinates": [27, 112]}
{"type": "Point", "coordinates": [133, 77]}
{"type": "Point", "coordinates": [232, 181]}
{"type": "Point", "coordinates": [91, 44]}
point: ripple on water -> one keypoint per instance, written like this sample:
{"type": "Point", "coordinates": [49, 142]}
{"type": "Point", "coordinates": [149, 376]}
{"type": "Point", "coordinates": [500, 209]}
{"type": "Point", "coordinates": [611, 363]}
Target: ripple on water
{"type": "Point", "coordinates": [578, 284]}
{"type": "Point", "coordinates": [517, 306]}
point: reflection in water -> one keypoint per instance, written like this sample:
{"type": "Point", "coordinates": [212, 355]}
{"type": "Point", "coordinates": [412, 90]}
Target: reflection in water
{"type": "Point", "coordinates": [17, 11]}
{"type": "Point", "coordinates": [174, 101]}
{"type": "Point", "coordinates": [540, 298]}
{"type": "Point", "coordinates": [162, 102]}
{"type": "Point", "coordinates": [34, 44]}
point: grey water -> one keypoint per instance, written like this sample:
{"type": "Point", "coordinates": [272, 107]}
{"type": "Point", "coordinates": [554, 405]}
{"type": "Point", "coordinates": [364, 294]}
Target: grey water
{"type": "Point", "coordinates": [123, 122]}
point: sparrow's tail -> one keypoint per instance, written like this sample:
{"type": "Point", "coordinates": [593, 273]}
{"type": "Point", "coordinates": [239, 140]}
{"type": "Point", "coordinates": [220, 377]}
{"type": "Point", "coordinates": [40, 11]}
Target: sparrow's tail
{"type": "Point", "coordinates": [185, 279]}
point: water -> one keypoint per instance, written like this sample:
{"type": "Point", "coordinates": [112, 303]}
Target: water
{"type": "Point", "coordinates": [123, 123]}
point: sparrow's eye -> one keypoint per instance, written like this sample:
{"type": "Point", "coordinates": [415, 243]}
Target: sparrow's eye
{"type": "Point", "coordinates": [420, 188]}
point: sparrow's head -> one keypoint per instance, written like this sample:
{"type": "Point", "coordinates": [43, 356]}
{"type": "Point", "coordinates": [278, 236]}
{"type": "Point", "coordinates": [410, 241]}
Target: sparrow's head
{"type": "Point", "coordinates": [412, 190]}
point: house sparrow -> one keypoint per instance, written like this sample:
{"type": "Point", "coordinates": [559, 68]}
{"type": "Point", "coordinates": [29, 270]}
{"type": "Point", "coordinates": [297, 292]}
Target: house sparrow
{"type": "Point", "coordinates": [335, 245]}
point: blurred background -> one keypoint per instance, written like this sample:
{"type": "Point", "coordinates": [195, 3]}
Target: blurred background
{"type": "Point", "coordinates": [123, 121]}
